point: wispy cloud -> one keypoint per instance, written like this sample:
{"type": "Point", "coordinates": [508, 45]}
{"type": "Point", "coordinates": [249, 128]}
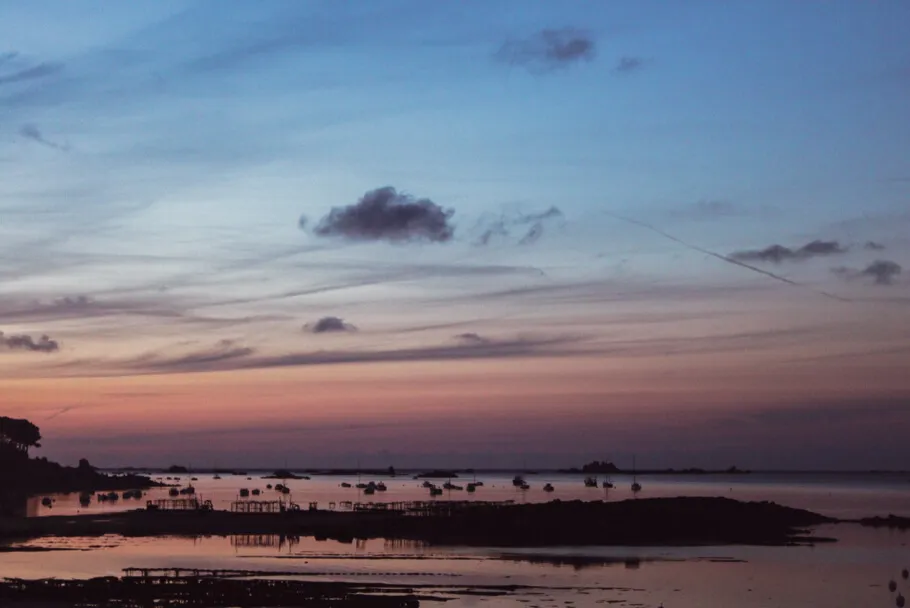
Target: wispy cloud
{"type": "Point", "coordinates": [33, 133]}
{"type": "Point", "coordinates": [778, 253]}
{"type": "Point", "coordinates": [708, 209]}
{"type": "Point", "coordinates": [228, 355]}
{"type": "Point", "coordinates": [549, 49]}
{"type": "Point", "coordinates": [628, 64]}
{"type": "Point", "coordinates": [21, 72]}
{"type": "Point", "coordinates": [224, 354]}
{"type": "Point", "coordinates": [524, 228]}
{"type": "Point", "coordinates": [385, 214]}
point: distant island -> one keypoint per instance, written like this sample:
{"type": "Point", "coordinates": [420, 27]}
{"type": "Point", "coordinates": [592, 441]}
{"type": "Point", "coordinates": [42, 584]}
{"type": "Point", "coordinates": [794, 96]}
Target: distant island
{"type": "Point", "coordinates": [22, 476]}
{"type": "Point", "coordinates": [436, 474]}
{"type": "Point", "coordinates": [608, 468]}
{"type": "Point", "coordinates": [284, 474]}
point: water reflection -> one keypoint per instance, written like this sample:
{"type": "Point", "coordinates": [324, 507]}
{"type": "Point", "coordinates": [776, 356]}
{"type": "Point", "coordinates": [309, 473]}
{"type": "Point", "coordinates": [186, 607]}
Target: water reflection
{"type": "Point", "coordinates": [259, 541]}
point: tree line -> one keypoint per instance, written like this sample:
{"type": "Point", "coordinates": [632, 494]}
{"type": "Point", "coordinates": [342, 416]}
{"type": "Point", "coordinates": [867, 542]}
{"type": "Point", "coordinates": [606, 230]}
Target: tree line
{"type": "Point", "coordinates": [18, 435]}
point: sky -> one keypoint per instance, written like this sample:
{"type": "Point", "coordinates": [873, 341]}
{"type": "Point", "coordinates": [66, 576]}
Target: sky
{"type": "Point", "coordinates": [475, 234]}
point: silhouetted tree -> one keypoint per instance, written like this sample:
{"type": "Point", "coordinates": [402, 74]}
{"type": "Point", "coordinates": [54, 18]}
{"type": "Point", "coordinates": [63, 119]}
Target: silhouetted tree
{"type": "Point", "coordinates": [19, 435]}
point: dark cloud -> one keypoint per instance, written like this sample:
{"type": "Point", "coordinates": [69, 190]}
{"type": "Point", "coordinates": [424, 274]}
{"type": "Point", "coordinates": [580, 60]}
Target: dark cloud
{"type": "Point", "coordinates": [327, 325]}
{"type": "Point", "coordinates": [873, 246]}
{"type": "Point", "coordinates": [549, 49]}
{"type": "Point", "coordinates": [627, 64]}
{"type": "Point", "coordinates": [472, 338]}
{"type": "Point", "coordinates": [882, 272]}
{"type": "Point", "coordinates": [778, 253]}
{"type": "Point", "coordinates": [385, 214]}
{"type": "Point", "coordinates": [34, 133]}
{"type": "Point", "coordinates": [527, 228]}
{"type": "Point", "coordinates": [40, 70]}
{"type": "Point", "coordinates": [25, 342]}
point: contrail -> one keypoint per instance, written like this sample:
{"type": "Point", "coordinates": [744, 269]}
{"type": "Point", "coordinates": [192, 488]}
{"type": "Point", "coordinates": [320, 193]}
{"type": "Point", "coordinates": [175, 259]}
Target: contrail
{"type": "Point", "coordinates": [724, 258]}
{"type": "Point", "coordinates": [60, 412]}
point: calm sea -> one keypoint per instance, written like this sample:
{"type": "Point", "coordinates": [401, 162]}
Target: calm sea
{"type": "Point", "coordinates": [854, 571]}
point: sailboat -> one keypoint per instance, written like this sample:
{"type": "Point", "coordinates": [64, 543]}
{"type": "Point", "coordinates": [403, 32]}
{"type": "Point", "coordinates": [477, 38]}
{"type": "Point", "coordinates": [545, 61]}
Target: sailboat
{"type": "Point", "coordinates": [636, 487]}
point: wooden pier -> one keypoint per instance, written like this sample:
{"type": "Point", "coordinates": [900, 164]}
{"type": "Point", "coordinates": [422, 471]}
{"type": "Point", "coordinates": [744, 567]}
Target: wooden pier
{"type": "Point", "coordinates": [179, 504]}
{"type": "Point", "coordinates": [263, 506]}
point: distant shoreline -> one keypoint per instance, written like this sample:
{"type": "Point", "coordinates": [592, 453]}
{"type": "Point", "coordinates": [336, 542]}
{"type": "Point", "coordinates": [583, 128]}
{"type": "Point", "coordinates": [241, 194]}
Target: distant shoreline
{"type": "Point", "coordinates": [411, 472]}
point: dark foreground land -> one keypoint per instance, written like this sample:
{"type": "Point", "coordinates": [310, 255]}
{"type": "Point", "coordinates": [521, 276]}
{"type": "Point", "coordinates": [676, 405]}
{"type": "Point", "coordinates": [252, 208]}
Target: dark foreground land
{"type": "Point", "coordinates": [204, 591]}
{"type": "Point", "coordinates": [656, 521]}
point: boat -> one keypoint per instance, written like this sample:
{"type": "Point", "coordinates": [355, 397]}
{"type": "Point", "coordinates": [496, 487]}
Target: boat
{"type": "Point", "coordinates": [434, 491]}
{"type": "Point", "coordinates": [244, 492]}
{"type": "Point", "coordinates": [636, 487]}
{"type": "Point", "coordinates": [361, 486]}
{"type": "Point", "coordinates": [268, 486]}
{"type": "Point", "coordinates": [371, 489]}
{"type": "Point", "coordinates": [548, 487]}
{"type": "Point", "coordinates": [590, 482]}
{"type": "Point", "coordinates": [256, 492]}
{"type": "Point", "coordinates": [518, 481]}
{"type": "Point", "coordinates": [608, 485]}
{"type": "Point", "coordinates": [47, 501]}
{"type": "Point", "coordinates": [173, 492]}
{"type": "Point", "coordinates": [472, 487]}
{"type": "Point", "coordinates": [285, 490]}
{"type": "Point", "coordinates": [479, 484]}
{"type": "Point", "coordinates": [85, 499]}
{"type": "Point", "coordinates": [112, 496]}
{"type": "Point", "coordinates": [188, 491]}
{"type": "Point", "coordinates": [451, 486]}
{"type": "Point", "coordinates": [345, 484]}
{"type": "Point", "coordinates": [381, 487]}
{"type": "Point", "coordinates": [428, 484]}
{"type": "Point", "coordinates": [217, 476]}
{"type": "Point", "coordinates": [194, 479]}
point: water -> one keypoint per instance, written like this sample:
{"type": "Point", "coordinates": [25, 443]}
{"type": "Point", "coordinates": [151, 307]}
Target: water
{"type": "Point", "coordinates": [835, 495]}
{"type": "Point", "coordinates": [852, 572]}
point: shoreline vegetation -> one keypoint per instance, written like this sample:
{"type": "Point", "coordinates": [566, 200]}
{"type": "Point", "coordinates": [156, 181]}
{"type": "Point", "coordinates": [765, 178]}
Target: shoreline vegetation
{"type": "Point", "coordinates": [22, 476]}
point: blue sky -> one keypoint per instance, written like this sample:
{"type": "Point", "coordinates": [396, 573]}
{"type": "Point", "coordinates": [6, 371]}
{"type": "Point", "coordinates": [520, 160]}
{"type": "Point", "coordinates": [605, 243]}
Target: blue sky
{"type": "Point", "coordinates": [156, 158]}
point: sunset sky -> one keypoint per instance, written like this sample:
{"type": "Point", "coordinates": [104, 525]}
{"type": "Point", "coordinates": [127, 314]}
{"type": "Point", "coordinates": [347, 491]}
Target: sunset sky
{"type": "Point", "coordinates": [457, 233]}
